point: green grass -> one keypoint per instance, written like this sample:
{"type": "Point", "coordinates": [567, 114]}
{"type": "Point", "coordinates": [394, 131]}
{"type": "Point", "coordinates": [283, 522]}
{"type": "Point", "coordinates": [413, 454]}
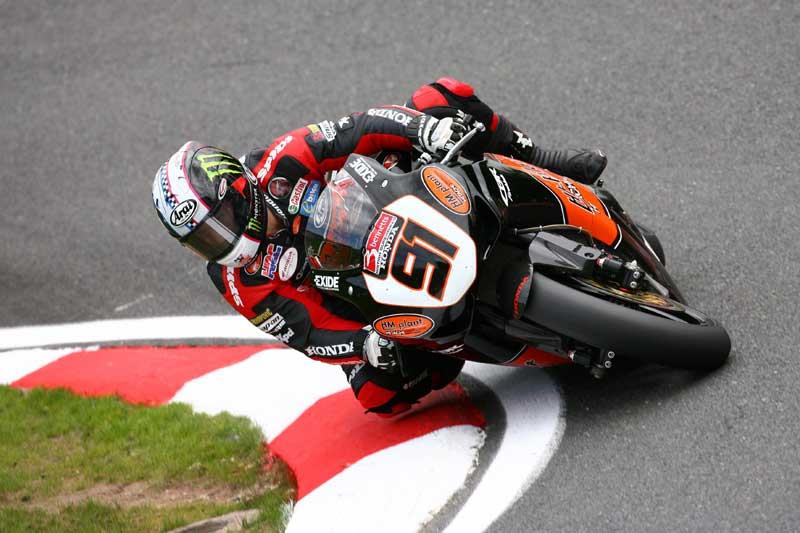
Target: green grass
{"type": "Point", "coordinates": [54, 444]}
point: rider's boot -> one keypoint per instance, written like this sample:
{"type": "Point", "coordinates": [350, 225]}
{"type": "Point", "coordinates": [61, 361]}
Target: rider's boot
{"type": "Point", "coordinates": [581, 165]}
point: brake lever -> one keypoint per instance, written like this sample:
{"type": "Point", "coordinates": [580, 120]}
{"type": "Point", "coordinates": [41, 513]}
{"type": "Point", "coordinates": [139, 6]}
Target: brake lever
{"type": "Point", "coordinates": [456, 149]}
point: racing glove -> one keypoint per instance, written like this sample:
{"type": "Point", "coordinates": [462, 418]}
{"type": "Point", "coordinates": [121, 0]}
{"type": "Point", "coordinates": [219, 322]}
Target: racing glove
{"type": "Point", "coordinates": [433, 135]}
{"type": "Point", "coordinates": [380, 352]}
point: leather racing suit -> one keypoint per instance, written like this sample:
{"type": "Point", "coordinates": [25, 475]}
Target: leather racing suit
{"type": "Point", "coordinates": [273, 292]}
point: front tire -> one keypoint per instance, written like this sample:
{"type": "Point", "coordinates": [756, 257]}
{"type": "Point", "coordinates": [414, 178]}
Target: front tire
{"type": "Point", "coordinates": [698, 343]}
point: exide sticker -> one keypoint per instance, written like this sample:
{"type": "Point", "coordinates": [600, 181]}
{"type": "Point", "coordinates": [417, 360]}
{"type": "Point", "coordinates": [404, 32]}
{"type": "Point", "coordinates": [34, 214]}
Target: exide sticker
{"type": "Point", "coordinates": [403, 326]}
{"type": "Point", "coordinates": [328, 283]}
{"type": "Point", "coordinates": [272, 256]}
{"type": "Point", "coordinates": [380, 242]}
{"type": "Point", "coordinates": [364, 171]}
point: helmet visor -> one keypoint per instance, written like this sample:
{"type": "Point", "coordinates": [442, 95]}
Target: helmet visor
{"type": "Point", "coordinates": [218, 233]}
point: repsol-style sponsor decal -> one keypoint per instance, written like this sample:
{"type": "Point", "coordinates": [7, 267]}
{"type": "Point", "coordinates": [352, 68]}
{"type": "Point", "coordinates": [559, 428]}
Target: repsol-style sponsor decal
{"type": "Point", "coordinates": [364, 171]}
{"type": "Point", "coordinates": [229, 276]}
{"type": "Point", "coordinates": [297, 196]}
{"type": "Point", "coordinates": [272, 256]}
{"type": "Point", "coordinates": [310, 199]}
{"type": "Point", "coordinates": [328, 130]}
{"type": "Point", "coordinates": [447, 190]}
{"type": "Point", "coordinates": [403, 326]}
{"type": "Point", "coordinates": [326, 283]}
{"type": "Point", "coordinates": [380, 241]}
{"type": "Point", "coordinates": [331, 350]}
{"type": "Point", "coordinates": [287, 265]}
{"type": "Point", "coordinates": [183, 212]}
{"type": "Point", "coordinates": [391, 114]}
{"type": "Point", "coordinates": [279, 187]}
{"type": "Point", "coordinates": [502, 184]}
{"type": "Point", "coordinates": [272, 155]}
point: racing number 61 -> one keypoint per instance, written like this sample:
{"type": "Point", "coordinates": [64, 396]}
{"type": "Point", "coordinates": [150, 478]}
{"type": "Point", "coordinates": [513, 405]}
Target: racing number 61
{"type": "Point", "coordinates": [423, 260]}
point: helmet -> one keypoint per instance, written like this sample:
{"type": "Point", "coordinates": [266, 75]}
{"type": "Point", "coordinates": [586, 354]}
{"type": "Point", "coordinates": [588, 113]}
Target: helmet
{"type": "Point", "coordinates": [211, 203]}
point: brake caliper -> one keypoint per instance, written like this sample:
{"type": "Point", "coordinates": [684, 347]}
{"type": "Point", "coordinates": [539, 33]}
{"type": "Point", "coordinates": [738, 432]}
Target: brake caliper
{"type": "Point", "coordinates": [628, 275]}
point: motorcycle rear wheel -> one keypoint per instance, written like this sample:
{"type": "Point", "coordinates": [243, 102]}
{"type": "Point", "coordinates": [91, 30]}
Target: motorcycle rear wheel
{"type": "Point", "coordinates": [681, 337]}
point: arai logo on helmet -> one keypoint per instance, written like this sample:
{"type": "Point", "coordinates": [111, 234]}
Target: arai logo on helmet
{"type": "Point", "coordinates": [183, 213]}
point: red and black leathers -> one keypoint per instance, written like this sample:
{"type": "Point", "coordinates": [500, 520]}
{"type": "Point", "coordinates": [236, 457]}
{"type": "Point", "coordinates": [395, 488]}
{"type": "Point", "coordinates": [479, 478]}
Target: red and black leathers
{"type": "Point", "coordinates": [271, 293]}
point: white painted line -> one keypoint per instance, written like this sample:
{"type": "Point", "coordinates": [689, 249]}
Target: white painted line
{"type": "Point", "coordinates": [534, 427]}
{"type": "Point", "coordinates": [397, 489]}
{"type": "Point", "coordinates": [272, 388]}
{"type": "Point", "coordinates": [163, 328]}
{"type": "Point", "coordinates": [18, 363]}
{"type": "Point", "coordinates": [275, 386]}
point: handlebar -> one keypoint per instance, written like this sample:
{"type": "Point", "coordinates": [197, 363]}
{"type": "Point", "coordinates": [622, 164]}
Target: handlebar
{"type": "Point", "coordinates": [451, 154]}
{"type": "Point", "coordinates": [456, 149]}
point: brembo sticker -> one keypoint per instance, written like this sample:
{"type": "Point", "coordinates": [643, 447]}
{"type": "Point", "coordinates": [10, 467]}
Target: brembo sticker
{"type": "Point", "coordinates": [404, 326]}
{"type": "Point", "coordinates": [380, 241]}
{"type": "Point", "coordinates": [446, 189]}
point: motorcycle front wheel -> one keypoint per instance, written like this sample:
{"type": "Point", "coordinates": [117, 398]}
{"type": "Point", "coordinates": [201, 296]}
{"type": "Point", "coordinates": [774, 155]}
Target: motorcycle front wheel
{"type": "Point", "coordinates": [651, 329]}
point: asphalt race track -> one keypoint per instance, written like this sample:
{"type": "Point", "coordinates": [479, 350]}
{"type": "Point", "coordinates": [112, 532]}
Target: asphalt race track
{"type": "Point", "coordinates": [697, 105]}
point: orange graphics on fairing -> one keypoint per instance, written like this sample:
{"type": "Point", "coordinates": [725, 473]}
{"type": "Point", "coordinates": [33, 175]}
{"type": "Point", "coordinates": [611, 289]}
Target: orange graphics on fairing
{"type": "Point", "coordinates": [580, 205]}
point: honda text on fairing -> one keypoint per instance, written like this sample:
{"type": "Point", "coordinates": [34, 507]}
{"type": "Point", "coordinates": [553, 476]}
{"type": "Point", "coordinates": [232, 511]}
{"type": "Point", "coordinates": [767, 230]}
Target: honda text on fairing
{"type": "Point", "coordinates": [561, 270]}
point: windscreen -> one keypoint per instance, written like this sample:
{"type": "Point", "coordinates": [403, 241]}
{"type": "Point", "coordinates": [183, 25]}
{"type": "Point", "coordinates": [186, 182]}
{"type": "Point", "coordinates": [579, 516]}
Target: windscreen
{"type": "Point", "coordinates": [338, 225]}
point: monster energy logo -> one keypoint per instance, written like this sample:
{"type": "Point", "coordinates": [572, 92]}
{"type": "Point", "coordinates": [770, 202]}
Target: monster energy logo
{"type": "Point", "coordinates": [254, 225]}
{"type": "Point", "coordinates": [217, 164]}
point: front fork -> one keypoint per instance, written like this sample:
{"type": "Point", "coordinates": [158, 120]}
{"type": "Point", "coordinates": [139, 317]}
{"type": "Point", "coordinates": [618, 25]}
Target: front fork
{"type": "Point", "coordinates": [557, 252]}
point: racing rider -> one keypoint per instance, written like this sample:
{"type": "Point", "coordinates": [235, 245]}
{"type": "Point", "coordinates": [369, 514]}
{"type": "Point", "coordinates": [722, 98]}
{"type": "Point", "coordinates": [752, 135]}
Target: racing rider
{"type": "Point", "coordinates": [246, 218]}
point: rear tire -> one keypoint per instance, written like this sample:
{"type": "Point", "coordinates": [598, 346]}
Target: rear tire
{"type": "Point", "coordinates": [627, 331]}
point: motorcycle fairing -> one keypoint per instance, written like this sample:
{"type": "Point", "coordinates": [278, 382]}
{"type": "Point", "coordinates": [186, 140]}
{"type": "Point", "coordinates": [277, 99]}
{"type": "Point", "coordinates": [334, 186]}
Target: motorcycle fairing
{"type": "Point", "coordinates": [577, 203]}
{"type": "Point", "coordinates": [431, 262]}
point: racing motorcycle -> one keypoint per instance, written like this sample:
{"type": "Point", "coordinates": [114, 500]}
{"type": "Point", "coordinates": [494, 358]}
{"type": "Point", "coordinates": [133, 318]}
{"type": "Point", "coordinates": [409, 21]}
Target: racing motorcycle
{"type": "Point", "coordinates": [507, 250]}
